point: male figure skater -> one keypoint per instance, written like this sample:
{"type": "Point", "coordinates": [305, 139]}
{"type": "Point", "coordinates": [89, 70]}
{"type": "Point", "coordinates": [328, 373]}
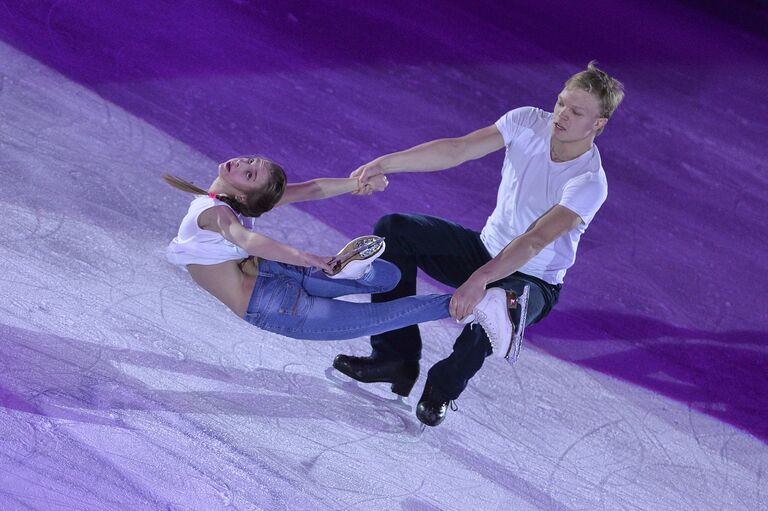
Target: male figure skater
{"type": "Point", "coordinates": [552, 186]}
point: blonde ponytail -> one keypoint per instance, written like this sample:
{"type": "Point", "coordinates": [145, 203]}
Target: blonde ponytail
{"type": "Point", "coordinates": [184, 186]}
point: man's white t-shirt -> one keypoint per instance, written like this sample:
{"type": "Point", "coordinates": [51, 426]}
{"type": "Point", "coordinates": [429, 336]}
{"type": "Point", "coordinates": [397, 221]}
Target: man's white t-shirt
{"type": "Point", "coordinates": [531, 184]}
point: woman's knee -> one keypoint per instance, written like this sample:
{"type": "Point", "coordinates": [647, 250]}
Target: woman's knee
{"type": "Point", "coordinates": [386, 275]}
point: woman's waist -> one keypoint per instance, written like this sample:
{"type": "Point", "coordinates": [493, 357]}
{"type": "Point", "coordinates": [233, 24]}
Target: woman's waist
{"type": "Point", "coordinates": [232, 282]}
{"type": "Point", "coordinates": [183, 253]}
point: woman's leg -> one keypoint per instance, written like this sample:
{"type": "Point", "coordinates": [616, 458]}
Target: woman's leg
{"type": "Point", "coordinates": [280, 304]}
{"type": "Point", "coordinates": [444, 250]}
{"type": "Point", "coordinates": [382, 276]}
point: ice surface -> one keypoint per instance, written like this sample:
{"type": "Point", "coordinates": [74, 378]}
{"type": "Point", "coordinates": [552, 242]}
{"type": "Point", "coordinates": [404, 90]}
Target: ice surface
{"type": "Point", "coordinates": [123, 386]}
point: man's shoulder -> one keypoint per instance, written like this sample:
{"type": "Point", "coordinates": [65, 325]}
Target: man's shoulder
{"type": "Point", "coordinates": [595, 165]}
{"type": "Point", "coordinates": [590, 176]}
{"type": "Point", "coordinates": [526, 115]}
{"type": "Point", "coordinates": [522, 120]}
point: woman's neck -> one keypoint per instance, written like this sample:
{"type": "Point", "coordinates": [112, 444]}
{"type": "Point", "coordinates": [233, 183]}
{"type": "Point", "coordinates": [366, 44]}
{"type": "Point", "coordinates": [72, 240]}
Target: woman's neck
{"type": "Point", "coordinates": [220, 187]}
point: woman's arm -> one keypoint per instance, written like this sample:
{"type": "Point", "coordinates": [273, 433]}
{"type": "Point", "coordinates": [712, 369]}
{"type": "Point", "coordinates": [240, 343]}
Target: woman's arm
{"type": "Point", "coordinates": [326, 187]}
{"type": "Point", "coordinates": [221, 219]}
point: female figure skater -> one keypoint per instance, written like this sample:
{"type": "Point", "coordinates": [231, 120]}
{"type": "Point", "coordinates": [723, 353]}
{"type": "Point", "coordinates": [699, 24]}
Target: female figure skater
{"type": "Point", "coordinates": [277, 287]}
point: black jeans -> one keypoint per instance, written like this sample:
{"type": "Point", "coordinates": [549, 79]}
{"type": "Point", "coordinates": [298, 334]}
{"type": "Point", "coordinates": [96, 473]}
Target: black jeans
{"type": "Point", "coordinates": [449, 253]}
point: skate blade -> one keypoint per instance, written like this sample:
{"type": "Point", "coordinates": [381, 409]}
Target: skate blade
{"type": "Point", "coordinates": [517, 341]}
{"type": "Point", "coordinates": [359, 249]}
{"type": "Point", "coordinates": [352, 387]}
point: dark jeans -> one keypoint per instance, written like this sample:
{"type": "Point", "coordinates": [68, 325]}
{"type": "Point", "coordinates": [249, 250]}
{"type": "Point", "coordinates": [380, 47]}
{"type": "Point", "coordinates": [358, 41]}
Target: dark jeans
{"type": "Point", "coordinates": [449, 253]}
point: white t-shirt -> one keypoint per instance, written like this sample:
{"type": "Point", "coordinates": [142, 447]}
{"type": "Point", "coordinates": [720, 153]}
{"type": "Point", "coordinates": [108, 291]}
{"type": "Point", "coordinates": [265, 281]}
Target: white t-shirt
{"type": "Point", "coordinates": [194, 245]}
{"type": "Point", "coordinates": [531, 184]}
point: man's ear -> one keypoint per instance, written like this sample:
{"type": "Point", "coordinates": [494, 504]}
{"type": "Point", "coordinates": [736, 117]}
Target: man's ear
{"type": "Point", "coordinates": [600, 123]}
{"type": "Point", "coordinates": [240, 198]}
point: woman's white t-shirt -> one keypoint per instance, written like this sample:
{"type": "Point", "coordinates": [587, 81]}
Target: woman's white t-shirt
{"type": "Point", "coordinates": [194, 245]}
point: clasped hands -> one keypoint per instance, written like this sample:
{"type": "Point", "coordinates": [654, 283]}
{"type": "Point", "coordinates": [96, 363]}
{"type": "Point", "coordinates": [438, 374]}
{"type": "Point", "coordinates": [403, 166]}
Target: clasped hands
{"type": "Point", "coordinates": [370, 178]}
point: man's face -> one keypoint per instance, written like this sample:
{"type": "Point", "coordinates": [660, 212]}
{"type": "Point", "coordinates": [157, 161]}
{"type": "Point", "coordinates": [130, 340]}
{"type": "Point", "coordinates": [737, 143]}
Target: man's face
{"type": "Point", "coordinates": [576, 116]}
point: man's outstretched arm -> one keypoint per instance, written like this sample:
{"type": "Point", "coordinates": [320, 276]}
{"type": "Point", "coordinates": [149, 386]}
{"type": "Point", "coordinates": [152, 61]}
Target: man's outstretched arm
{"type": "Point", "coordinates": [438, 154]}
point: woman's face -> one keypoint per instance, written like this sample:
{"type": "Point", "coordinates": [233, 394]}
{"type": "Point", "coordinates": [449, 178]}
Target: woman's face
{"type": "Point", "coordinates": [245, 173]}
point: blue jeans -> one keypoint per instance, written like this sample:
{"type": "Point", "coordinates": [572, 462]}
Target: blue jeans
{"type": "Point", "coordinates": [299, 302]}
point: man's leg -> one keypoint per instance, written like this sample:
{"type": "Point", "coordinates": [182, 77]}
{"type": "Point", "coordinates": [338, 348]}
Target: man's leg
{"type": "Point", "coordinates": [449, 377]}
{"type": "Point", "coordinates": [447, 252]}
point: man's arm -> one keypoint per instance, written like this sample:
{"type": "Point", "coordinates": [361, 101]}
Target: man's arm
{"type": "Point", "coordinates": [547, 228]}
{"type": "Point", "coordinates": [438, 154]}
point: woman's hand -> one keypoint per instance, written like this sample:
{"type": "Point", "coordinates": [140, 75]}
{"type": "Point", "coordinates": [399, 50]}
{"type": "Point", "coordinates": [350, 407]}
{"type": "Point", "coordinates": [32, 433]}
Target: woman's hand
{"type": "Point", "coordinates": [366, 173]}
{"type": "Point", "coordinates": [319, 262]}
{"type": "Point", "coordinates": [249, 266]}
{"type": "Point", "coordinates": [377, 183]}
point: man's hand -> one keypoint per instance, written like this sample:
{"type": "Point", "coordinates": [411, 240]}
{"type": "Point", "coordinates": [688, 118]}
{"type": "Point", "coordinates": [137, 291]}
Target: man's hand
{"type": "Point", "coordinates": [377, 183]}
{"type": "Point", "coordinates": [466, 297]}
{"type": "Point", "coordinates": [364, 174]}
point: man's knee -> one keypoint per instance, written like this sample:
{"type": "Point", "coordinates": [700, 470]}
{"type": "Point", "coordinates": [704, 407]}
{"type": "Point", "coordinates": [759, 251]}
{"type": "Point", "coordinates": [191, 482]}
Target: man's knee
{"type": "Point", "coordinates": [393, 224]}
{"type": "Point", "coordinates": [538, 304]}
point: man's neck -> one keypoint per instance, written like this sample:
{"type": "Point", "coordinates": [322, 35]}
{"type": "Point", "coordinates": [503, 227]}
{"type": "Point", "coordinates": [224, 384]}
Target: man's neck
{"type": "Point", "coordinates": [566, 151]}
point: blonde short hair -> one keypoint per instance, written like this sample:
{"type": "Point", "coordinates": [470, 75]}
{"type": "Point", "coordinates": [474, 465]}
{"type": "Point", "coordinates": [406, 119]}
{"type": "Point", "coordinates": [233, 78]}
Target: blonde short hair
{"type": "Point", "coordinates": [608, 91]}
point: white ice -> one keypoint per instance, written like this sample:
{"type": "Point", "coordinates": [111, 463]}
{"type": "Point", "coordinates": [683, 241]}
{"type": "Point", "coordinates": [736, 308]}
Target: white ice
{"type": "Point", "coordinates": [126, 387]}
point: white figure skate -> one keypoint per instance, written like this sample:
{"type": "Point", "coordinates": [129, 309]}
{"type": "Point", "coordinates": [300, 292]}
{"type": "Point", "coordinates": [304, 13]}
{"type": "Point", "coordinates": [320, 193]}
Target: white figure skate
{"type": "Point", "coordinates": [355, 259]}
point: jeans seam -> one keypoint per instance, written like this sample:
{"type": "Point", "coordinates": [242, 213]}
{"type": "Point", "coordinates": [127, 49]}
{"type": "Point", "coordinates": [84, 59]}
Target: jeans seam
{"type": "Point", "coordinates": [369, 325]}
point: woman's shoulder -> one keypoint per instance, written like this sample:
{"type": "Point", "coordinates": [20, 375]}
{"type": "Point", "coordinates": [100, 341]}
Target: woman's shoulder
{"type": "Point", "coordinates": [203, 202]}
{"type": "Point", "coordinates": [211, 207]}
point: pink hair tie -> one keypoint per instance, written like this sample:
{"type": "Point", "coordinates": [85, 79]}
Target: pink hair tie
{"type": "Point", "coordinates": [211, 195]}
